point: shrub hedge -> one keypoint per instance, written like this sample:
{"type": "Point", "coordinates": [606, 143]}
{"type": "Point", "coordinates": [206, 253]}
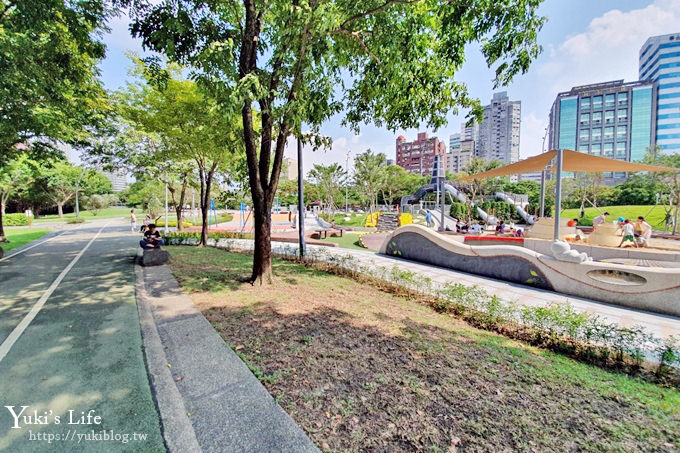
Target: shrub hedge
{"type": "Point", "coordinates": [18, 219]}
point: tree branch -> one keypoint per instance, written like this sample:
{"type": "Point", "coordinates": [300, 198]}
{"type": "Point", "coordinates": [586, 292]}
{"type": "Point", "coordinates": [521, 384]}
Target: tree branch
{"type": "Point", "coordinates": [357, 36]}
{"type": "Point", "coordinates": [376, 10]}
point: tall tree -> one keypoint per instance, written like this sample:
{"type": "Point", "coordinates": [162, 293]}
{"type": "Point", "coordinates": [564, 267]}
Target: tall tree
{"type": "Point", "coordinates": [368, 175]}
{"type": "Point", "coordinates": [15, 176]}
{"type": "Point", "coordinates": [389, 62]}
{"type": "Point", "coordinates": [329, 179]}
{"type": "Point", "coordinates": [49, 89]}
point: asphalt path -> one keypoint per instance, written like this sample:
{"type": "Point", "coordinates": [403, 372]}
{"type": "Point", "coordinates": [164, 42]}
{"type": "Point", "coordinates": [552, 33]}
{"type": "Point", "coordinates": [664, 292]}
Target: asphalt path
{"type": "Point", "coordinates": [70, 346]}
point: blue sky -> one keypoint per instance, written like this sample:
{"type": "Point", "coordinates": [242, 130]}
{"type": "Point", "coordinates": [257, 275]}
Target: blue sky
{"type": "Point", "coordinates": [585, 41]}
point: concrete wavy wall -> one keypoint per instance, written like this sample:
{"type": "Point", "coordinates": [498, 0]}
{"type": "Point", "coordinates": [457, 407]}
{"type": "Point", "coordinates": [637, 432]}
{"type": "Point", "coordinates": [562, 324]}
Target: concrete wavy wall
{"type": "Point", "coordinates": [638, 287]}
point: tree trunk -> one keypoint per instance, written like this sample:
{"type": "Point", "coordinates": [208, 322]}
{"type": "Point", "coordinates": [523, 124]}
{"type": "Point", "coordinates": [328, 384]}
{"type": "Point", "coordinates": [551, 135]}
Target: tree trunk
{"type": "Point", "coordinates": [60, 209]}
{"type": "Point", "coordinates": [3, 238]}
{"type": "Point", "coordinates": [179, 207]}
{"type": "Point", "coordinates": [262, 256]}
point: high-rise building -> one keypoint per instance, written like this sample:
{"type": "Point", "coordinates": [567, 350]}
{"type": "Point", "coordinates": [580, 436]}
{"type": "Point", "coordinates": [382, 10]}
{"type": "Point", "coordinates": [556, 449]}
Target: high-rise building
{"type": "Point", "coordinates": [499, 130]}
{"type": "Point", "coordinates": [458, 158]}
{"type": "Point", "coordinates": [611, 119]}
{"type": "Point", "coordinates": [470, 133]}
{"type": "Point", "coordinates": [291, 171]}
{"type": "Point", "coordinates": [454, 141]}
{"type": "Point", "coordinates": [418, 156]}
{"type": "Point", "coordinates": [118, 180]}
{"type": "Point", "coordinates": [659, 61]}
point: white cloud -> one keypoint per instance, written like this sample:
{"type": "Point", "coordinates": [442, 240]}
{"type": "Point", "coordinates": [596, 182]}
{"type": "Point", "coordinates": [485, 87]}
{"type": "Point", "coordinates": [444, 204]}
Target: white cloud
{"type": "Point", "coordinates": [608, 49]}
{"type": "Point", "coordinates": [532, 130]}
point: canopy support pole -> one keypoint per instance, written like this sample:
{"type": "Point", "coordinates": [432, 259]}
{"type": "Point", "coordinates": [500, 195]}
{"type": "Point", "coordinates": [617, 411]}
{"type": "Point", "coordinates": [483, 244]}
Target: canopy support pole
{"type": "Point", "coordinates": [542, 210]}
{"type": "Point", "coordinates": [558, 194]}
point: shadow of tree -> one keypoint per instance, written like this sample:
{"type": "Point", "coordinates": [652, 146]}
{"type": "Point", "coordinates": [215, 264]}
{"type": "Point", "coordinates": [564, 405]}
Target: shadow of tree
{"type": "Point", "coordinates": [353, 387]}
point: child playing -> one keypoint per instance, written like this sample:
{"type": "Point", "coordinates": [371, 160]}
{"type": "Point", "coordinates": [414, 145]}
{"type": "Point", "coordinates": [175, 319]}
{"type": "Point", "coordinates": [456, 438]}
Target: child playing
{"type": "Point", "coordinates": [628, 232]}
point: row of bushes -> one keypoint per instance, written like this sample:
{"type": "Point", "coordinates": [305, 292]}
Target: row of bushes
{"type": "Point", "coordinates": [211, 235]}
{"type": "Point", "coordinates": [557, 327]}
{"type": "Point", "coordinates": [500, 209]}
{"type": "Point", "coordinates": [18, 219]}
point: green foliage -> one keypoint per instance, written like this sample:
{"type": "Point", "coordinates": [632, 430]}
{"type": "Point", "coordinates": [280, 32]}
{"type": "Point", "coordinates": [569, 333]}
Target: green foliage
{"type": "Point", "coordinates": [74, 220]}
{"type": "Point", "coordinates": [369, 176]}
{"type": "Point", "coordinates": [171, 223]}
{"type": "Point", "coordinates": [460, 211]}
{"type": "Point", "coordinates": [18, 219]}
{"type": "Point", "coordinates": [502, 210]}
{"type": "Point", "coordinates": [175, 236]}
{"type": "Point", "coordinates": [95, 203]}
{"type": "Point", "coordinates": [289, 60]}
{"type": "Point", "coordinates": [329, 179]}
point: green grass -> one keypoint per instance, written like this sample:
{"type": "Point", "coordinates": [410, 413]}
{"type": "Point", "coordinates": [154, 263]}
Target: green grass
{"type": "Point", "coordinates": [109, 213]}
{"type": "Point", "coordinates": [348, 241]}
{"type": "Point", "coordinates": [654, 215]}
{"type": "Point", "coordinates": [355, 220]}
{"type": "Point", "coordinates": [20, 236]}
{"type": "Point", "coordinates": [398, 353]}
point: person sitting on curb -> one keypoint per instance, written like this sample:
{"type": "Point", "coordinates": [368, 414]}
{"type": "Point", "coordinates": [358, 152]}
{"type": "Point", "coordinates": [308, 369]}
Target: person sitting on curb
{"type": "Point", "coordinates": [152, 238]}
{"type": "Point", "coordinates": [628, 233]}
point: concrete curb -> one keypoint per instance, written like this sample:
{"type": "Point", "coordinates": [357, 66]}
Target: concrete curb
{"type": "Point", "coordinates": [207, 397]}
{"type": "Point", "coordinates": [178, 433]}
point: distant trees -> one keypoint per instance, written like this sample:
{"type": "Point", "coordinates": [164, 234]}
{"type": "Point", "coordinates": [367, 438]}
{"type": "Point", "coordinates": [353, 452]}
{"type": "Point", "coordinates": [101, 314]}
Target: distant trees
{"type": "Point", "coordinates": [329, 179]}
{"type": "Point", "coordinates": [49, 90]}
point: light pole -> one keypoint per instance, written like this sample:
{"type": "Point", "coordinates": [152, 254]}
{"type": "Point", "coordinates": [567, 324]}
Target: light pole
{"type": "Point", "coordinates": [301, 200]}
{"type": "Point", "coordinates": [165, 228]}
{"type": "Point", "coordinates": [77, 188]}
{"type": "Point", "coordinates": [347, 182]}
{"type": "Point", "coordinates": [542, 203]}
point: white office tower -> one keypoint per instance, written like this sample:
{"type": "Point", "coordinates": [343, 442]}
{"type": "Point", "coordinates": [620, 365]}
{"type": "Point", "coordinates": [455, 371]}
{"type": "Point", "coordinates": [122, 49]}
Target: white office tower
{"type": "Point", "coordinates": [660, 61]}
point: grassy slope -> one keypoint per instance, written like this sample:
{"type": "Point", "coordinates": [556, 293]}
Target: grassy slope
{"type": "Point", "coordinates": [20, 236]}
{"type": "Point", "coordinates": [109, 213]}
{"type": "Point", "coordinates": [655, 217]}
{"type": "Point", "coordinates": [360, 369]}
{"type": "Point", "coordinates": [355, 220]}
{"type": "Point", "coordinates": [348, 241]}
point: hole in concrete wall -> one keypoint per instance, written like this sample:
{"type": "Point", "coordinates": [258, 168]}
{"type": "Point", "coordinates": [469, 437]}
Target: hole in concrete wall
{"type": "Point", "coordinates": [617, 277]}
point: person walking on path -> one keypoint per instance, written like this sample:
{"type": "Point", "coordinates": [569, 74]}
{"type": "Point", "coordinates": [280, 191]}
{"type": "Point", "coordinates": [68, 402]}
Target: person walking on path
{"type": "Point", "coordinates": [645, 231]}
{"type": "Point", "coordinates": [600, 219]}
{"type": "Point", "coordinates": [628, 233]}
{"type": "Point", "coordinates": [133, 221]}
{"type": "Point", "coordinates": [428, 219]}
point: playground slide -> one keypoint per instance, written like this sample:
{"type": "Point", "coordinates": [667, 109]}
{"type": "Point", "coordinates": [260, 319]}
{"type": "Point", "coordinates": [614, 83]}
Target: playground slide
{"type": "Point", "coordinates": [529, 219]}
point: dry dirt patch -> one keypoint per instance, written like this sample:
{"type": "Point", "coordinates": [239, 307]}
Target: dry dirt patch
{"type": "Point", "coordinates": [362, 370]}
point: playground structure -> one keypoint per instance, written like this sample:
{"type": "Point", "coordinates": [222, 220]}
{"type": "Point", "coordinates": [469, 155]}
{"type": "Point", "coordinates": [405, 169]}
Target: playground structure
{"type": "Point", "coordinates": [534, 263]}
{"type": "Point", "coordinates": [443, 188]}
{"type": "Point", "coordinates": [638, 278]}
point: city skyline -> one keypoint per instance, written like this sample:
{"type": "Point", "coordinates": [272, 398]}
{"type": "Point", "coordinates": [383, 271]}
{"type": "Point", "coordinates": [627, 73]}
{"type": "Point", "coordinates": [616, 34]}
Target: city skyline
{"type": "Point", "coordinates": [584, 42]}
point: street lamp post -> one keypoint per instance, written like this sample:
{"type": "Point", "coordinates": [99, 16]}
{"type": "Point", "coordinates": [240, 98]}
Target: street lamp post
{"type": "Point", "coordinates": [542, 202]}
{"type": "Point", "coordinates": [77, 189]}
{"type": "Point", "coordinates": [347, 182]}
{"type": "Point", "coordinates": [301, 200]}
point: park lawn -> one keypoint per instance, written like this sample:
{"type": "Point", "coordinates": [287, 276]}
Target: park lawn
{"type": "Point", "coordinates": [21, 236]}
{"type": "Point", "coordinates": [654, 215]}
{"type": "Point", "coordinates": [109, 213]}
{"type": "Point", "coordinates": [363, 370]}
{"type": "Point", "coordinates": [355, 220]}
{"type": "Point", "coordinates": [348, 241]}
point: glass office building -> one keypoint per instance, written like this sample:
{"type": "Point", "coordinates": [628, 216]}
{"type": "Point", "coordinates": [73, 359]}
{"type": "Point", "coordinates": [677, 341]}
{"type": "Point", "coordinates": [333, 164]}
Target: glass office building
{"type": "Point", "coordinates": [611, 119]}
{"type": "Point", "coordinates": [660, 61]}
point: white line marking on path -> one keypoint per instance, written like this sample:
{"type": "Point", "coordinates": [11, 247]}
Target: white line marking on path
{"type": "Point", "coordinates": [19, 329]}
{"type": "Point", "coordinates": [39, 243]}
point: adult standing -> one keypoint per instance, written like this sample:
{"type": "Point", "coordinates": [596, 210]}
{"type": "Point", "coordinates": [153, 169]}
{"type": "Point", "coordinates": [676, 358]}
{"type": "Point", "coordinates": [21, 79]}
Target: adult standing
{"type": "Point", "coordinates": [645, 231]}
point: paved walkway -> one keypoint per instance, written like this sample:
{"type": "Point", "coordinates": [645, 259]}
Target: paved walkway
{"type": "Point", "coordinates": [660, 325]}
{"type": "Point", "coordinates": [208, 398]}
{"type": "Point", "coordinates": [70, 341]}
